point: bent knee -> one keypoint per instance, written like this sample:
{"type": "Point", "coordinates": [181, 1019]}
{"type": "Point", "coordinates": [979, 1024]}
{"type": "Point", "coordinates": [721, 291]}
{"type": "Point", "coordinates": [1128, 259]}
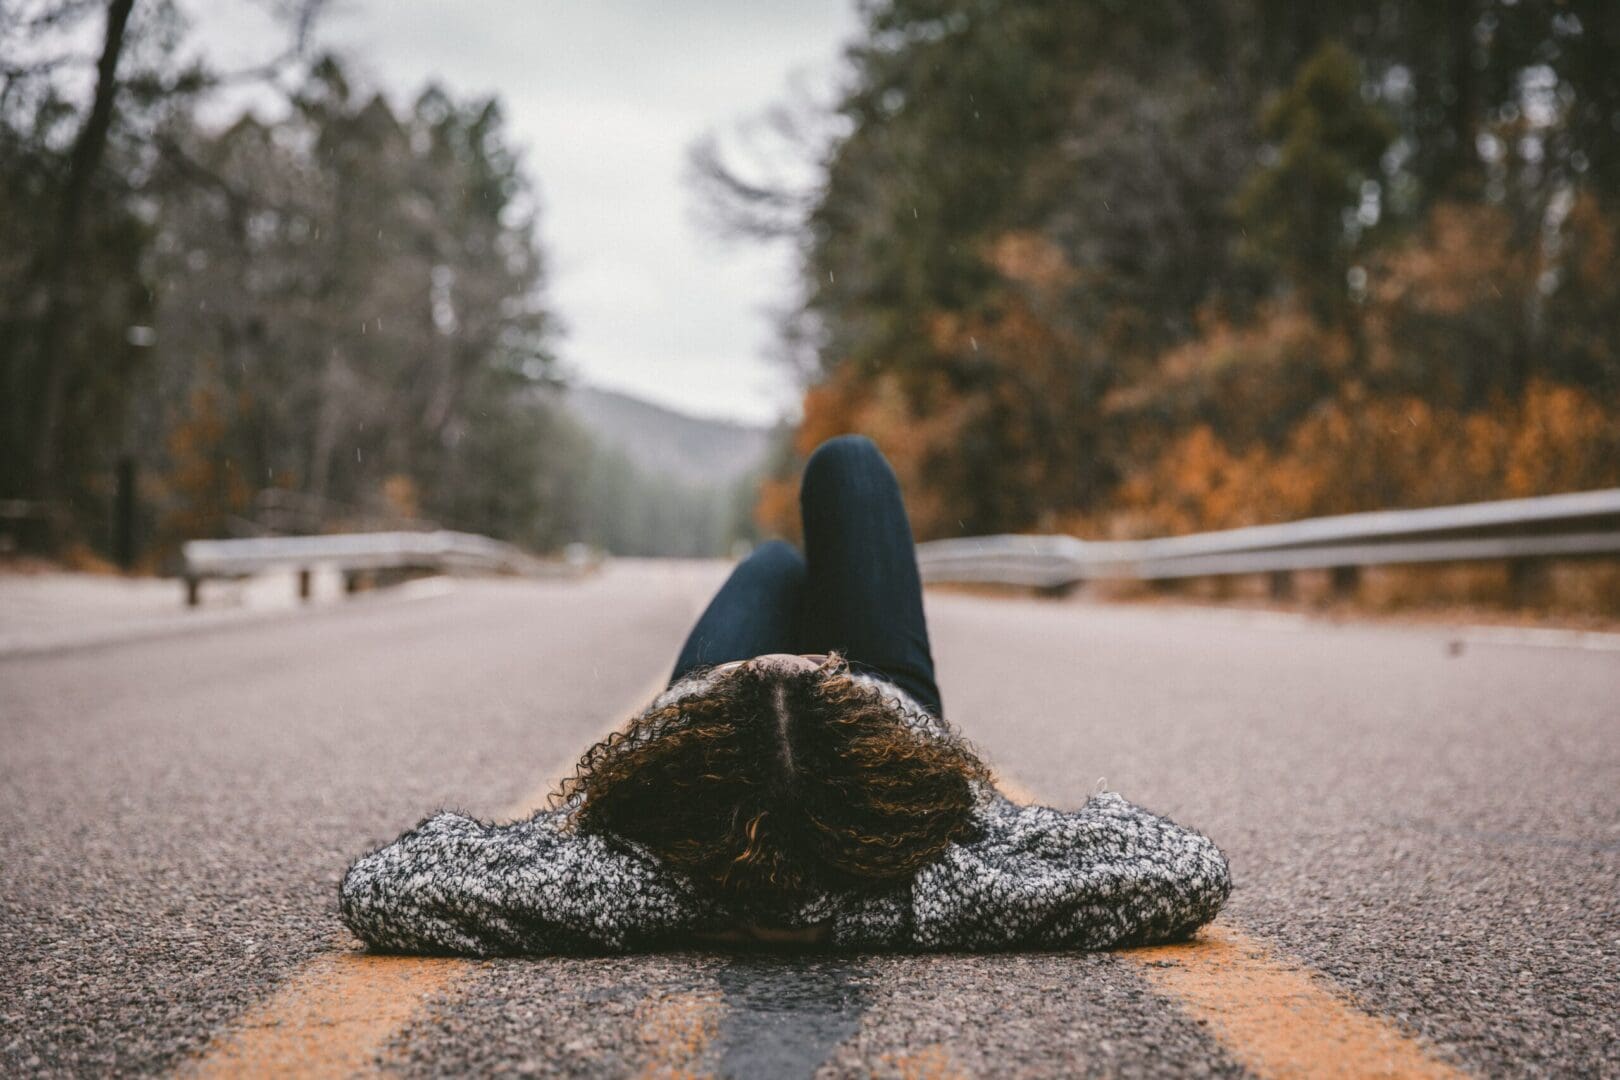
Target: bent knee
{"type": "Point", "coordinates": [778, 556]}
{"type": "Point", "coordinates": [843, 456]}
{"type": "Point", "coordinates": [775, 551]}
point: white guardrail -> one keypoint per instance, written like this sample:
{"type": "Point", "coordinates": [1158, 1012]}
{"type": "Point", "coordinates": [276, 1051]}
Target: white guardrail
{"type": "Point", "coordinates": [354, 554]}
{"type": "Point", "coordinates": [1577, 524]}
{"type": "Point", "coordinates": [1518, 530]}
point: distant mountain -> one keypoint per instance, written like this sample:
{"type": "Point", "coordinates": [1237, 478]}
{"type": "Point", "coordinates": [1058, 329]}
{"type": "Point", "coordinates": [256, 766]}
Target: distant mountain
{"type": "Point", "coordinates": [696, 451]}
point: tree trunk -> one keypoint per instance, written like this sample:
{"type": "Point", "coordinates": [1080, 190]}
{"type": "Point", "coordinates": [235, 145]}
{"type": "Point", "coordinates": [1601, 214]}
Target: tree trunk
{"type": "Point", "coordinates": [85, 158]}
{"type": "Point", "coordinates": [1461, 177]}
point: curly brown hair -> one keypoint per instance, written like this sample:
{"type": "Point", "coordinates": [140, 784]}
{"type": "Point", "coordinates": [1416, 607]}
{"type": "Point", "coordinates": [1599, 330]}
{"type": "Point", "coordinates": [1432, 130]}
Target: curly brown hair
{"type": "Point", "coordinates": [771, 783]}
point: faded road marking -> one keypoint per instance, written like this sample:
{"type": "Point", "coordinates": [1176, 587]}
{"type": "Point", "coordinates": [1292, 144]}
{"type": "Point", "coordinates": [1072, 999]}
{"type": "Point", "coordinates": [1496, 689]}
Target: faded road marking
{"type": "Point", "coordinates": [1274, 1016]}
{"type": "Point", "coordinates": [1269, 1013]}
{"type": "Point", "coordinates": [1011, 788]}
{"type": "Point", "coordinates": [331, 1019]}
{"type": "Point", "coordinates": [931, 1062]}
{"type": "Point", "coordinates": [676, 1030]}
{"type": "Point", "coordinates": [337, 1013]}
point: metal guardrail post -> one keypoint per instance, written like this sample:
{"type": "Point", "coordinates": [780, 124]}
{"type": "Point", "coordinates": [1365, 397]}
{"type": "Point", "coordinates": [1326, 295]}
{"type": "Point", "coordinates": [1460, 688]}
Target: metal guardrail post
{"type": "Point", "coordinates": [1281, 585]}
{"type": "Point", "coordinates": [123, 516]}
{"type": "Point", "coordinates": [1527, 580]}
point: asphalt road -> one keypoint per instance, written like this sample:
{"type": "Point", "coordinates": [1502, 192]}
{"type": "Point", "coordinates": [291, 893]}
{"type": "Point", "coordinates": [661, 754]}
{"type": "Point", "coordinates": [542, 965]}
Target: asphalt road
{"type": "Point", "coordinates": [1424, 825]}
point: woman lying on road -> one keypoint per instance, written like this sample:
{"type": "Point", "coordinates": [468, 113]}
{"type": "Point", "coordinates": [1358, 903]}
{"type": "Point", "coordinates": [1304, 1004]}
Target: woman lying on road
{"type": "Point", "coordinates": [797, 783]}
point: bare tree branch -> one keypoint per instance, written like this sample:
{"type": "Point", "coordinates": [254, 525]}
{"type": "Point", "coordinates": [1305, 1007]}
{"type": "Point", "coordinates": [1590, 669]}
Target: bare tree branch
{"type": "Point", "coordinates": [755, 210]}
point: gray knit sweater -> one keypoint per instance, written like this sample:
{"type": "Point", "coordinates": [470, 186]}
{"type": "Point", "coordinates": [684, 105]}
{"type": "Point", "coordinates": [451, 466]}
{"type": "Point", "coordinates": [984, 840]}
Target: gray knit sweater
{"type": "Point", "coordinates": [1107, 874]}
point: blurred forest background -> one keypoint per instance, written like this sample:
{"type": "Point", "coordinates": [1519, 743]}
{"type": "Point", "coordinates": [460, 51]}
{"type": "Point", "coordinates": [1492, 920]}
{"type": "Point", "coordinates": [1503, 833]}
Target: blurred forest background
{"type": "Point", "coordinates": [1133, 269]}
{"type": "Point", "coordinates": [1118, 269]}
{"type": "Point", "coordinates": [325, 312]}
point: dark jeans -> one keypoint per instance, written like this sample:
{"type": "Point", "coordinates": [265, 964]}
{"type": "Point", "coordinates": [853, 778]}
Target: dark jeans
{"type": "Point", "coordinates": [854, 591]}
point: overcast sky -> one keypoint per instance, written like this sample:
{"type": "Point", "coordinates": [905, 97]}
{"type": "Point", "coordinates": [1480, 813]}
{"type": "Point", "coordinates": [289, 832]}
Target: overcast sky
{"type": "Point", "coordinates": [604, 97]}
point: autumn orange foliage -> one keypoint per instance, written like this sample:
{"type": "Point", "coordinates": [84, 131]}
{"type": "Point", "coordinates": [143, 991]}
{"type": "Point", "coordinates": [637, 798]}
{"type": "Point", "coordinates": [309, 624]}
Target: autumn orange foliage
{"type": "Point", "coordinates": [1477, 366]}
{"type": "Point", "coordinates": [1358, 453]}
{"type": "Point", "coordinates": [205, 486]}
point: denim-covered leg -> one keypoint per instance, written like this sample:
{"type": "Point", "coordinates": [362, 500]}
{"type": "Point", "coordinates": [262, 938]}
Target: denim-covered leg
{"type": "Point", "coordinates": [863, 596]}
{"type": "Point", "coordinates": [755, 612]}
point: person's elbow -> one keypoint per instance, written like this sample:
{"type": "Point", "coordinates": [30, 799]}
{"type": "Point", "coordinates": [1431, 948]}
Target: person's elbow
{"type": "Point", "coordinates": [388, 897]}
{"type": "Point", "coordinates": [364, 902]}
{"type": "Point", "coordinates": [1202, 882]}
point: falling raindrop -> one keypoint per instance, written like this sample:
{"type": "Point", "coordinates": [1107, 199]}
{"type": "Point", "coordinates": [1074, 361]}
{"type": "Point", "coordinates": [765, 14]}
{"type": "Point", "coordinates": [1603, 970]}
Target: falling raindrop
{"type": "Point", "coordinates": [974, 342]}
{"type": "Point", "coordinates": [357, 453]}
{"type": "Point", "coordinates": [830, 278]}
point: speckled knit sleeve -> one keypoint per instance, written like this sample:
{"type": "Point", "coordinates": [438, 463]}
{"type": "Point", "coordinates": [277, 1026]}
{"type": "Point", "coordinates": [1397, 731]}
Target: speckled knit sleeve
{"type": "Point", "coordinates": [457, 885]}
{"type": "Point", "coordinates": [1107, 874]}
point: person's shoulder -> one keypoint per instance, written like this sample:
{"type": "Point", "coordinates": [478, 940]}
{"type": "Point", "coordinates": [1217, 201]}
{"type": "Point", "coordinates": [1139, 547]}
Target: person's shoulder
{"type": "Point", "coordinates": [1001, 818]}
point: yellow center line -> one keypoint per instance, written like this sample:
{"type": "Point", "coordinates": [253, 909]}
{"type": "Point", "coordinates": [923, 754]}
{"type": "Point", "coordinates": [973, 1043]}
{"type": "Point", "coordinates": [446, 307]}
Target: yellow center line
{"type": "Point", "coordinates": [1271, 1014]}
{"type": "Point", "coordinates": [337, 1012]}
{"type": "Point", "coordinates": [1276, 1017]}
{"type": "Point", "coordinates": [676, 1030]}
{"type": "Point", "coordinates": [930, 1062]}
{"type": "Point", "coordinates": [330, 1019]}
